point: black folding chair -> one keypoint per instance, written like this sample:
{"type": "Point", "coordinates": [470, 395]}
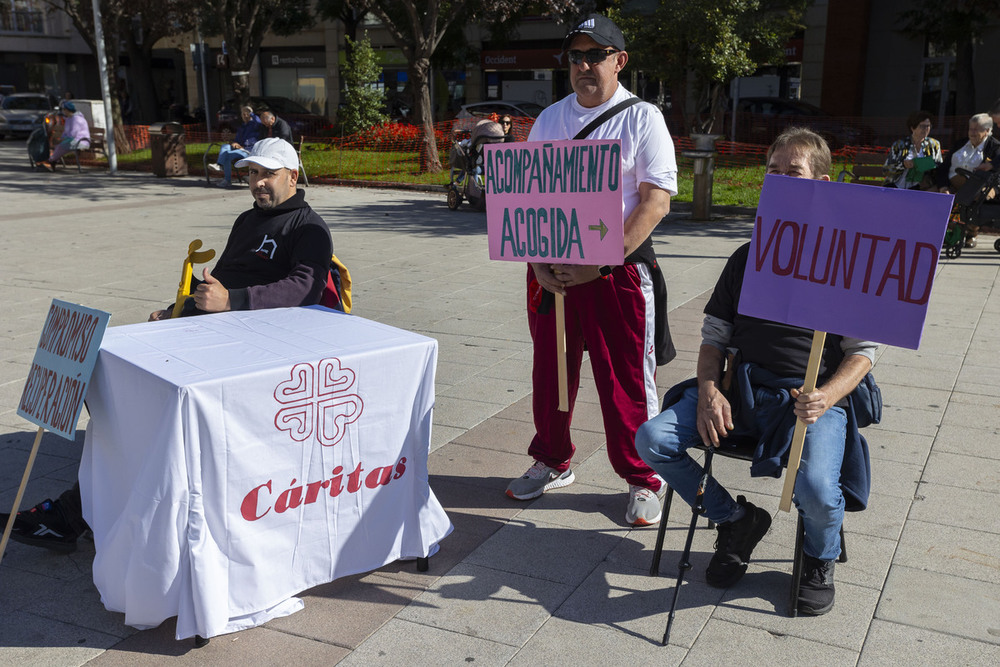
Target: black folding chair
{"type": "Point", "coordinates": [741, 449]}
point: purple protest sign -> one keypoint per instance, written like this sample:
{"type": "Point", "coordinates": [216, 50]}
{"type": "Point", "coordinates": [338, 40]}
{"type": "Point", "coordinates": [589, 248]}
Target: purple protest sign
{"type": "Point", "coordinates": [555, 201]}
{"type": "Point", "coordinates": [854, 260]}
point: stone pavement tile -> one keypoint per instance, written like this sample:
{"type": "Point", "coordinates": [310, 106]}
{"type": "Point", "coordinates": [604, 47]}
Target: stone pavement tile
{"type": "Point", "coordinates": [441, 435]}
{"type": "Point", "coordinates": [893, 478]}
{"type": "Point", "coordinates": [915, 376]}
{"type": "Point", "coordinates": [560, 642]}
{"type": "Point", "coordinates": [347, 611]}
{"type": "Point", "coordinates": [991, 389]}
{"type": "Point", "coordinates": [982, 356]}
{"type": "Point", "coordinates": [907, 396]}
{"type": "Point", "coordinates": [962, 470]}
{"type": "Point", "coordinates": [896, 644]}
{"type": "Point", "coordinates": [723, 642]}
{"type": "Point", "coordinates": [961, 552]}
{"type": "Point", "coordinates": [889, 445]}
{"type": "Point", "coordinates": [539, 550]}
{"type": "Point", "coordinates": [907, 420]}
{"type": "Point", "coordinates": [923, 359]}
{"type": "Point", "coordinates": [449, 373]}
{"type": "Point", "coordinates": [980, 375]}
{"type": "Point", "coordinates": [760, 600]}
{"type": "Point", "coordinates": [404, 644]}
{"type": "Point", "coordinates": [490, 469]}
{"type": "Point", "coordinates": [48, 596]}
{"type": "Point", "coordinates": [953, 506]}
{"type": "Point", "coordinates": [946, 337]}
{"type": "Point", "coordinates": [636, 605]}
{"type": "Point", "coordinates": [973, 410]}
{"type": "Point", "coordinates": [884, 516]}
{"type": "Point", "coordinates": [508, 435]}
{"type": "Point", "coordinates": [30, 640]}
{"type": "Point", "coordinates": [580, 506]}
{"type": "Point", "coordinates": [45, 466]}
{"type": "Point", "coordinates": [257, 646]}
{"type": "Point", "coordinates": [595, 470]}
{"type": "Point", "coordinates": [486, 603]}
{"type": "Point", "coordinates": [509, 369]}
{"type": "Point", "coordinates": [489, 390]}
{"type": "Point", "coordinates": [519, 410]}
{"type": "Point", "coordinates": [970, 440]}
{"type": "Point", "coordinates": [942, 602]}
{"type": "Point", "coordinates": [462, 412]}
{"type": "Point", "coordinates": [48, 569]}
{"type": "Point", "coordinates": [868, 557]}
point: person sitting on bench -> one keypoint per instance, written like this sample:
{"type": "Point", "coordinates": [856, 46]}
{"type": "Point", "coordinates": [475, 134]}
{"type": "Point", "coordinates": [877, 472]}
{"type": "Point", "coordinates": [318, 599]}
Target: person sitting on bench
{"type": "Point", "coordinates": [771, 363]}
{"type": "Point", "coordinates": [75, 136]}
{"type": "Point", "coordinates": [246, 137]}
{"type": "Point", "coordinates": [978, 154]}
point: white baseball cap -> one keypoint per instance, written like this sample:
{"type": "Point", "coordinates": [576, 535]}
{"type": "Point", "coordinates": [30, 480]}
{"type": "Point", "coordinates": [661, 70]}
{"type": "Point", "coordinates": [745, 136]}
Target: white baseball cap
{"type": "Point", "coordinates": [272, 153]}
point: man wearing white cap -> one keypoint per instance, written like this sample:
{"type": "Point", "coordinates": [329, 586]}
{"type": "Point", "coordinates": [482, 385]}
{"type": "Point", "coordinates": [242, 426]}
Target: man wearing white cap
{"type": "Point", "coordinates": [278, 255]}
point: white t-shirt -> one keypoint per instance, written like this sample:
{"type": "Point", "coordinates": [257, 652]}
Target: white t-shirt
{"type": "Point", "coordinates": [647, 149]}
{"type": "Point", "coordinates": [967, 157]}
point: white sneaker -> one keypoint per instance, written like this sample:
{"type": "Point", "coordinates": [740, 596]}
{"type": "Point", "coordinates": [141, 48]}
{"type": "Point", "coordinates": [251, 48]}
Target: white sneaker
{"type": "Point", "coordinates": [644, 505]}
{"type": "Point", "coordinates": [537, 480]}
{"type": "Point", "coordinates": [215, 168]}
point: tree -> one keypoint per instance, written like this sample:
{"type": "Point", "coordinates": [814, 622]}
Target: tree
{"type": "Point", "coordinates": [417, 27]}
{"type": "Point", "coordinates": [958, 25]}
{"type": "Point", "coordinates": [363, 102]}
{"type": "Point", "coordinates": [713, 40]}
{"type": "Point", "coordinates": [243, 24]}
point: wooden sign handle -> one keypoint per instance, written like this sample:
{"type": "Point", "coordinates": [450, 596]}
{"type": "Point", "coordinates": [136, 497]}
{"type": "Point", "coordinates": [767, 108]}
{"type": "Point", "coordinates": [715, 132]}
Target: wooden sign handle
{"type": "Point", "coordinates": [560, 305]}
{"type": "Point", "coordinates": [20, 491]}
{"type": "Point", "coordinates": [799, 435]}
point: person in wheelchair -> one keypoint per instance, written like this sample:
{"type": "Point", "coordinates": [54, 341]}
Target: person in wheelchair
{"type": "Point", "coordinates": [971, 160]}
{"type": "Point", "coordinates": [767, 361]}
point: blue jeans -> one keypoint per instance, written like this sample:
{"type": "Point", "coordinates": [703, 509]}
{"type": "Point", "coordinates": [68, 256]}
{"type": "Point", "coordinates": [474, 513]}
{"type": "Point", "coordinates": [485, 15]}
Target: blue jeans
{"type": "Point", "coordinates": [663, 441]}
{"type": "Point", "coordinates": [227, 156]}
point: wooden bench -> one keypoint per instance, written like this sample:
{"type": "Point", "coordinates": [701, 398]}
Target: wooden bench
{"type": "Point", "coordinates": [97, 145]}
{"type": "Point", "coordinates": [867, 169]}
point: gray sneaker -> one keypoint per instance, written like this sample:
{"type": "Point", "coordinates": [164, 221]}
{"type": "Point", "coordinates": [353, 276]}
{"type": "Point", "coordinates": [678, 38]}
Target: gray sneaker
{"type": "Point", "coordinates": [644, 505]}
{"type": "Point", "coordinates": [539, 479]}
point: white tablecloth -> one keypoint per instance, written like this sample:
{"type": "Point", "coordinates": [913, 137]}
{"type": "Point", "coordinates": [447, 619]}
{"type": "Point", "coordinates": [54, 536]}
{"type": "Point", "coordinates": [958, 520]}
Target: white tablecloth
{"type": "Point", "coordinates": [233, 460]}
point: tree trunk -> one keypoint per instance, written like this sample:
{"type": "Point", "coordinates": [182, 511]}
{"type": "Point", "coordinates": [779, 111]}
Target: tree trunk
{"type": "Point", "coordinates": [965, 93]}
{"type": "Point", "coordinates": [145, 106]}
{"type": "Point", "coordinates": [429, 160]}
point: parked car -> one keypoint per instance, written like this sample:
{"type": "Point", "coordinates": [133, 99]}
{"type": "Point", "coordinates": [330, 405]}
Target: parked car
{"type": "Point", "coordinates": [760, 119]}
{"type": "Point", "coordinates": [470, 114]}
{"type": "Point", "coordinates": [303, 121]}
{"type": "Point", "coordinates": [22, 113]}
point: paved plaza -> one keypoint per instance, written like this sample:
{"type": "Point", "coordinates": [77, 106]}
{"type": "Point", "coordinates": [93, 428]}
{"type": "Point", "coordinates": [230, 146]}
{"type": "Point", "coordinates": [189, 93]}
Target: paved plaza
{"type": "Point", "coordinates": [560, 580]}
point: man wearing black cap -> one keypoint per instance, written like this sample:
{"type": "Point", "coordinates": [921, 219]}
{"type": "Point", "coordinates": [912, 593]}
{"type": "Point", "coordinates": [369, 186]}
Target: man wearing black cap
{"type": "Point", "coordinates": [609, 310]}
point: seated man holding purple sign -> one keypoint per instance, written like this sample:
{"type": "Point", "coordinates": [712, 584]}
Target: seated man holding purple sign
{"type": "Point", "coordinates": [759, 396]}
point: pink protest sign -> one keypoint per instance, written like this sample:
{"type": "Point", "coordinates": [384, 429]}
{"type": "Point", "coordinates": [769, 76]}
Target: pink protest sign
{"type": "Point", "coordinates": [854, 260]}
{"type": "Point", "coordinates": [555, 201]}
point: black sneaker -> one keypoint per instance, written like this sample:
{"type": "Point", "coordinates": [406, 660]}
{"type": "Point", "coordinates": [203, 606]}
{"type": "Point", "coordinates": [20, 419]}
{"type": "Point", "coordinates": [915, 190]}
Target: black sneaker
{"type": "Point", "coordinates": [735, 543]}
{"type": "Point", "coordinates": [44, 525]}
{"type": "Point", "coordinates": [816, 586]}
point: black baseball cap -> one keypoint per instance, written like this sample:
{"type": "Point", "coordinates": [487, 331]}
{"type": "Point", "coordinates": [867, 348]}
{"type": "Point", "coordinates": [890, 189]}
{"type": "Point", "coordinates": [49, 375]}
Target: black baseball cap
{"type": "Point", "coordinates": [599, 28]}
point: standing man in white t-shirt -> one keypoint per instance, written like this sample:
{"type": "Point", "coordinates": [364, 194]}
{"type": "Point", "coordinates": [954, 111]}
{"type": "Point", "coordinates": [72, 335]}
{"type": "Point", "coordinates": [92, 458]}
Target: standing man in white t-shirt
{"type": "Point", "coordinates": [610, 310]}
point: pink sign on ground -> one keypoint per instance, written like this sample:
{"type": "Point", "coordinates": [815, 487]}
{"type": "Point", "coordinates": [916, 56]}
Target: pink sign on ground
{"type": "Point", "coordinates": [848, 259]}
{"type": "Point", "coordinates": [555, 201]}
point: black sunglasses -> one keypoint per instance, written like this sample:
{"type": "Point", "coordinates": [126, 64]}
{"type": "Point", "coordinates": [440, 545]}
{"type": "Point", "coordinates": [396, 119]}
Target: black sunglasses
{"type": "Point", "coordinates": [593, 56]}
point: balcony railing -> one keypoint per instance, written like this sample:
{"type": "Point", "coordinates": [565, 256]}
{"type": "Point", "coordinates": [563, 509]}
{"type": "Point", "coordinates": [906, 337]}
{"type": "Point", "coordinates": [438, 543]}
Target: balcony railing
{"type": "Point", "coordinates": [22, 20]}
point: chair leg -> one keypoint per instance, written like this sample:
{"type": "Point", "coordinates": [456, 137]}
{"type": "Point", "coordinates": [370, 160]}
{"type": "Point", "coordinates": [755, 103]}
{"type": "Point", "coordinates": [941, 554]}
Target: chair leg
{"type": "Point", "coordinates": [654, 568]}
{"type": "Point", "coordinates": [793, 594]}
{"type": "Point", "coordinates": [843, 546]}
{"type": "Point", "coordinates": [685, 563]}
